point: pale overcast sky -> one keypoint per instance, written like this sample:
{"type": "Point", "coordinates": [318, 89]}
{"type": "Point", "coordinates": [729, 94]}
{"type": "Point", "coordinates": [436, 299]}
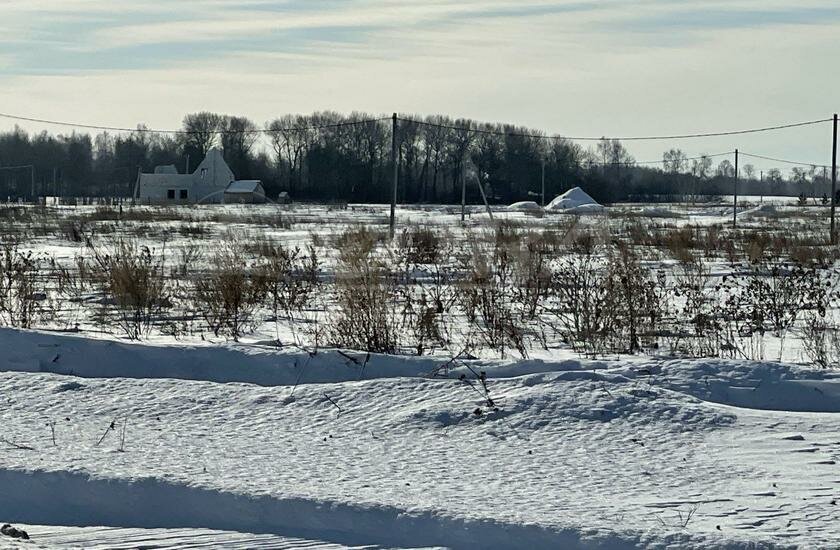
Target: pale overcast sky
{"type": "Point", "coordinates": [574, 67]}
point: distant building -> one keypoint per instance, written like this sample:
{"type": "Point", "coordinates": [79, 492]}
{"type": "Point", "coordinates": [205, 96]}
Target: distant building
{"type": "Point", "coordinates": [206, 185]}
{"type": "Point", "coordinates": [245, 192]}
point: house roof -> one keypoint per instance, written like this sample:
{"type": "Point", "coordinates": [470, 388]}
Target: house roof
{"type": "Point", "coordinates": [245, 186]}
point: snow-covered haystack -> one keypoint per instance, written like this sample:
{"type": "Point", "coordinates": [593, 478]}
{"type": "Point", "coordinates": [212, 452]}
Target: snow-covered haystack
{"type": "Point", "coordinates": [574, 201]}
{"type": "Point", "coordinates": [525, 206]}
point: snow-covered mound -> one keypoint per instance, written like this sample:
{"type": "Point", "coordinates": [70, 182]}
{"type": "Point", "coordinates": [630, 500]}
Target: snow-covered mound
{"type": "Point", "coordinates": [758, 211]}
{"type": "Point", "coordinates": [524, 206]}
{"type": "Point", "coordinates": [660, 212]}
{"type": "Point", "coordinates": [575, 201]}
{"type": "Point", "coordinates": [31, 351]}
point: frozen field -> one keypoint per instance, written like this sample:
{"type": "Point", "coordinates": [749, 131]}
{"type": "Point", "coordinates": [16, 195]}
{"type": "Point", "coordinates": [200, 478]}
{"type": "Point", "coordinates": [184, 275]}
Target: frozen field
{"type": "Point", "coordinates": [674, 433]}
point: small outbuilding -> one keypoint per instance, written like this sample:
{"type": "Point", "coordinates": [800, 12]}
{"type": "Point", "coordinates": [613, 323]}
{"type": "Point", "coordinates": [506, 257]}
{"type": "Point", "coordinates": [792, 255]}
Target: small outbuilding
{"type": "Point", "coordinates": [245, 192]}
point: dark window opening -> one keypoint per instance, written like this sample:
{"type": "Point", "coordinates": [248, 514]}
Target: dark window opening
{"type": "Point", "coordinates": [170, 193]}
{"type": "Point", "coordinates": [183, 194]}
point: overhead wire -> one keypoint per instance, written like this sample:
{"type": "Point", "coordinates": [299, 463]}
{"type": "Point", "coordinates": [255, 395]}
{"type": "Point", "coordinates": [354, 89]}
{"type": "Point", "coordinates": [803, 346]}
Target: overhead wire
{"type": "Point", "coordinates": [486, 131]}
{"type": "Point", "coordinates": [190, 132]}
{"type": "Point", "coordinates": [784, 161]}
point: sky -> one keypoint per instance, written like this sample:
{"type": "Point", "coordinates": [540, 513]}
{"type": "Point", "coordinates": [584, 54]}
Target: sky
{"type": "Point", "coordinates": [569, 67]}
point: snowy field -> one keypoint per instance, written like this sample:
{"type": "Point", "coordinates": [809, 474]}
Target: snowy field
{"type": "Point", "coordinates": [467, 438]}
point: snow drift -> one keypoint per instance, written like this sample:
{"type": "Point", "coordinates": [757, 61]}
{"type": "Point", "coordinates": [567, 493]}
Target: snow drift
{"type": "Point", "coordinates": [574, 201]}
{"type": "Point", "coordinates": [524, 206]}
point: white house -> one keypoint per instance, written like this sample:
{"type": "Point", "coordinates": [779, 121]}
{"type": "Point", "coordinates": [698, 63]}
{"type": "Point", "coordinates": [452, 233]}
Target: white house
{"type": "Point", "coordinates": [206, 185]}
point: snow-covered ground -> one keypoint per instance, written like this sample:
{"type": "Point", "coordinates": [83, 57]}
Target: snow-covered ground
{"type": "Point", "coordinates": [633, 453]}
{"type": "Point", "coordinates": [251, 445]}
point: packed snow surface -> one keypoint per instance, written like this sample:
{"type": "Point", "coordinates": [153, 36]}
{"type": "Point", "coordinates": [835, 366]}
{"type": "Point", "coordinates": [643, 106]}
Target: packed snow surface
{"type": "Point", "coordinates": [574, 200]}
{"type": "Point", "coordinates": [342, 448]}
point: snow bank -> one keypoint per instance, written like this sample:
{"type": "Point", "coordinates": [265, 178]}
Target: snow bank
{"type": "Point", "coordinates": [69, 498]}
{"type": "Point", "coordinates": [767, 386]}
{"type": "Point", "coordinates": [763, 210]}
{"type": "Point", "coordinates": [405, 459]}
{"type": "Point", "coordinates": [401, 462]}
{"type": "Point", "coordinates": [574, 201]}
{"type": "Point", "coordinates": [660, 212]}
{"type": "Point", "coordinates": [524, 206]}
{"type": "Point", "coordinates": [753, 385]}
{"type": "Point", "coordinates": [32, 351]}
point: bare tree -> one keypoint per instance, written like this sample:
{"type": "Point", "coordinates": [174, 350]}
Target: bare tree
{"type": "Point", "coordinates": [238, 138]}
{"type": "Point", "coordinates": [202, 131]}
{"type": "Point", "coordinates": [291, 136]}
{"type": "Point", "coordinates": [725, 169]}
{"type": "Point", "coordinates": [674, 161]}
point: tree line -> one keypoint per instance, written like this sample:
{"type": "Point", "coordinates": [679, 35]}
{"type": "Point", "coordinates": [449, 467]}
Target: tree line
{"type": "Point", "coordinates": [327, 156]}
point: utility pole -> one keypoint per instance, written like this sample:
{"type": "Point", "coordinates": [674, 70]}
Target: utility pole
{"type": "Point", "coordinates": [463, 189]}
{"type": "Point", "coordinates": [395, 176]}
{"type": "Point", "coordinates": [834, 179]}
{"type": "Point", "coordinates": [824, 179]}
{"type": "Point", "coordinates": [735, 200]}
{"type": "Point", "coordinates": [542, 181]}
{"type": "Point", "coordinates": [484, 198]}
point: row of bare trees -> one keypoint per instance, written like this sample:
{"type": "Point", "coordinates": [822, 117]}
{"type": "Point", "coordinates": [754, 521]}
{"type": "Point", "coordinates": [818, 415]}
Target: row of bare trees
{"type": "Point", "coordinates": [329, 156]}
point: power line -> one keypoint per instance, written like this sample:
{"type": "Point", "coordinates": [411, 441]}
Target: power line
{"type": "Point", "coordinates": [626, 138]}
{"type": "Point", "coordinates": [190, 132]}
{"type": "Point", "coordinates": [660, 161]}
{"type": "Point", "coordinates": [783, 161]}
{"type": "Point", "coordinates": [432, 124]}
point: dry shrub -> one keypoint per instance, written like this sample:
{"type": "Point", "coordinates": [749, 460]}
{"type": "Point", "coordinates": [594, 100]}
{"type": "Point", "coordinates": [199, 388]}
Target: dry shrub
{"type": "Point", "coordinates": [133, 277]}
{"type": "Point", "coordinates": [757, 246]}
{"type": "Point", "coordinates": [23, 296]}
{"type": "Point", "coordinates": [821, 341]}
{"type": "Point", "coordinates": [425, 287]}
{"type": "Point", "coordinates": [420, 245]}
{"type": "Point", "coordinates": [365, 315]}
{"type": "Point", "coordinates": [291, 277]}
{"type": "Point", "coordinates": [581, 302]}
{"type": "Point", "coordinates": [75, 281]}
{"type": "Point", "coordinates": [680, 243]}
{"type": "Point", "coordinates": [533, 277]}
{"type": "Point", "coordinates": [637, 298]}
{"type": "Point", "coordinates": [230, 293]}
{"type": "Point", "coordinates": [487, 293]}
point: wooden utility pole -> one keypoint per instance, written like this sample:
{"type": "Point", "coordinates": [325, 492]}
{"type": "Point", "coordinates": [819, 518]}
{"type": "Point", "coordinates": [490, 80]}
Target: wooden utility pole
{"type": "Point", "coordinates": [761, 184]}
{"type": "Point", "coordinates": [834, 180]}
{"type": "Point", "coordinates": [542, 181]}
{"type": "Point", "coordinates": [463, 189]}
{"type": "Point", "coordinates": [735, 199]}
{"type": "Point", "coordinates": [484, 198]}
{"type": "Point", "coordinates": [396, 166]}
